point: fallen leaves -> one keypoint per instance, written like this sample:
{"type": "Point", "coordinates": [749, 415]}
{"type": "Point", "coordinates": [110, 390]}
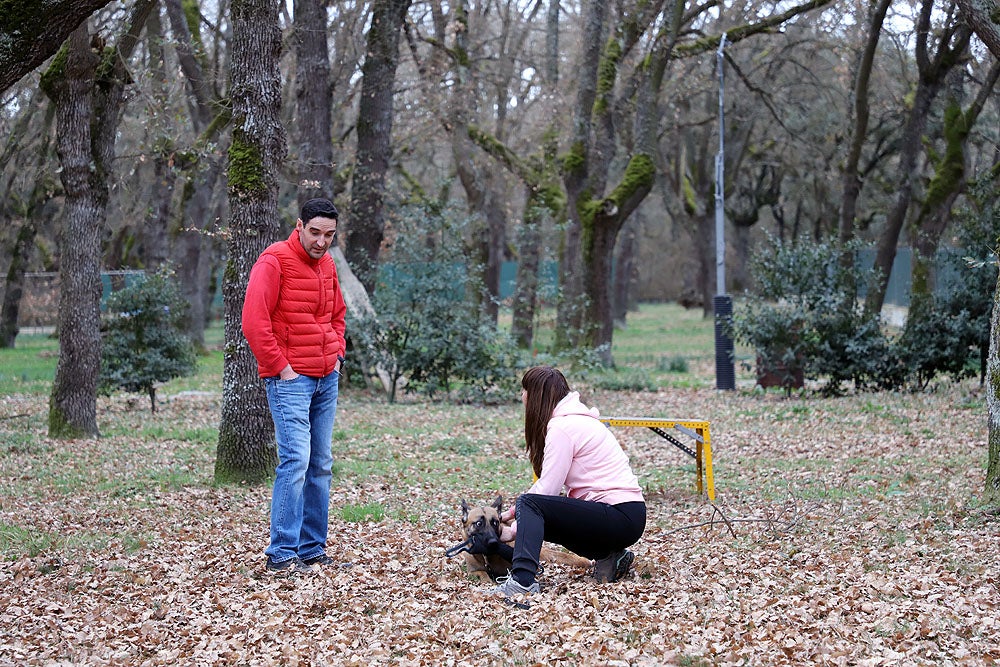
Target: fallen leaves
{"type": "Point", "coordinates": [855, 541]}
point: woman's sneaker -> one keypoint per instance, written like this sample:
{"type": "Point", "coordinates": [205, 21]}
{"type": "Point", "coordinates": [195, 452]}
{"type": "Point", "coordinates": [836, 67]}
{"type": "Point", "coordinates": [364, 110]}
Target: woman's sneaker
{"type": "Point", "coordinates": [614, 567]}
{"type": "Point", "coordinates": [508, 587]}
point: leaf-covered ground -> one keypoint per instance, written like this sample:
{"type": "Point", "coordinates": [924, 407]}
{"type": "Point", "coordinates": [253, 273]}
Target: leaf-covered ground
{"type": "Point", "coordinates": [844, 531]}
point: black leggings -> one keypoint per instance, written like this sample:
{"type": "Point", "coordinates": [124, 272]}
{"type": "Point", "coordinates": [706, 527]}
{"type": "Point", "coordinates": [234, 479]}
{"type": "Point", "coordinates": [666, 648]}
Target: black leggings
{"type": "Point", "coordinates": [590, 529]}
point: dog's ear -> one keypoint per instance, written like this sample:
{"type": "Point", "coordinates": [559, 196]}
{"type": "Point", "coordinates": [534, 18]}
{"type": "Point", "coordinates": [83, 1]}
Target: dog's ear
{"type": "Point", "coordinates": [498, 504]}
{"type": "Point", "coordinates": [465, 510]}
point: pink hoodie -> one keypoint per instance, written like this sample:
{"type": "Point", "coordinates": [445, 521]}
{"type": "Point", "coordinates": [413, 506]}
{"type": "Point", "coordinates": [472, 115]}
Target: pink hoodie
{"type": "Point", "coordinates": [582, 454]}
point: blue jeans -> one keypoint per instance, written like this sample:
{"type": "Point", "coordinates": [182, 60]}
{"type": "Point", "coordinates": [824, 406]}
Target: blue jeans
{"type": "Point", "coordinates": [303, 410]}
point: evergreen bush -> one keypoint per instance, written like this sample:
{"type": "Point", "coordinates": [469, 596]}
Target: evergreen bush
{"type": "Point", "coordinates": [428, 333]}
{"type": "Point", "coordinates": [804, 320]}
{"type": "Point", "coordinates": [142, 343]}
{"type": "Point", "coordinates": [948, 332]}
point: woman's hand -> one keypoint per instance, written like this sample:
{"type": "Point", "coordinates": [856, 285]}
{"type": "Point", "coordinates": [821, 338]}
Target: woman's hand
{"type": "Point", "coordinates": [508, 531]}
{"type": "Point", "coordinates": [507, 515]}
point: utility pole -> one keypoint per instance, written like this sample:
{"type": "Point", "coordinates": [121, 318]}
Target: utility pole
{"type": "Point", "coordinates": [722, 304]}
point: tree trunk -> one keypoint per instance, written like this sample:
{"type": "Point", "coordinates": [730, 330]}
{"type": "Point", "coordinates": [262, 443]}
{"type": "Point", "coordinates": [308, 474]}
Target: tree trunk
{"type": "Point", "coordinates": [979, 13]}
{"type": "Point", "coordinates": [991, 490]}
{"type": "Point", "coordinates": [246, 449]}
{"type": "Point", "coordinates": [201, 170]}
{"type": "Point", "coordinates": [526, 282]}
{"type": "Point", "coordinates": [359, 306]}
{"type": "Point", "coordinates": [952, 45]}
{"type": "Point", "coordinates": [312, 94]}
{"type": "Point", "coordinates": [14, 288]}
{"type": "Point", "coordinates": [153, 246]}
{"type": "Point", "coordinates": [624, 274]}
{"type": "Point", "coordinates": [87, 88]}
{"type": "Point", "coordinates": [40, 176]}
{"type": "Point", "coordinates": [980, 16]}
{"type": "Point", "coordinates": [73, 401]}
{"type": "Point", "coordinates": [859, 131]}
{"type": "Point", "coordinates": [366, 227]}
{"type": "Point", "coordinates": [947, 183]}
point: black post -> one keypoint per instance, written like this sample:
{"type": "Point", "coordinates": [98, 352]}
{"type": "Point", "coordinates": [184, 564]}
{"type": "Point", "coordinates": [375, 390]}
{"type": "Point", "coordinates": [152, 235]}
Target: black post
{"type": "Point", "coordinates": [725, 372]}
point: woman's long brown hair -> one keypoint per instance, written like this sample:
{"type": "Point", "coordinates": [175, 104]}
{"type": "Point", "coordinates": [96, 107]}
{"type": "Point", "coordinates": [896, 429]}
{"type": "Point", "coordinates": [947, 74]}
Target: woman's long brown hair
{"type": "Point", "coordinates": [546, 387]}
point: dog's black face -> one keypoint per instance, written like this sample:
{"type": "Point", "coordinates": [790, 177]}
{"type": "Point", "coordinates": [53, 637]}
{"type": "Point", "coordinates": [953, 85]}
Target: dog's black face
{"type": "Point", "coordinates": [482, 524]}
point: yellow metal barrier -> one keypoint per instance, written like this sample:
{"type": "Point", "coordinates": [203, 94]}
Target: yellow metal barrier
{"type": "Point", "coordinates": [695, 429]}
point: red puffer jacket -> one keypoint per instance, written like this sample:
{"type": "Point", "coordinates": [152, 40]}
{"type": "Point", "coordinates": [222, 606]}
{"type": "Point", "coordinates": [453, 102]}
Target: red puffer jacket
{"type": "Point", "coordinates": [294, 311]}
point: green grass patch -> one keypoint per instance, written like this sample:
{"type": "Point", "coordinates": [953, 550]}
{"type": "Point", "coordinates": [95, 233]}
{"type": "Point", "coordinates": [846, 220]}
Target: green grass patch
{"type": "Point", "coordinates": [16, 541]}
{"type": "Point", "coordinates": [369, 512]}
{"type": "Point", "coordinates": [30, 366]}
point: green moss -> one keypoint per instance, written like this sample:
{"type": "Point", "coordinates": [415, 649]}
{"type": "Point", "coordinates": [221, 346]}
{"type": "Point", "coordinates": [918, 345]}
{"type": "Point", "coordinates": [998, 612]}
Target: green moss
{"type": "Point", "coordinates": [575, 162]}
{"type": "Point", "coordinates": [192, 15]}
{"type": "Point", "coordinates": [639, 174]}
{"type": "Point", "coordinates": [106, 68]}
{"type": "Point", "coordinates": [246, 167]}
{"type": "Point", "coordinates": [689, 196]}
{"type": "Point", "coordinates": [950, 169]}
{"type": "Point", "coordinates": [606, 75]}
{"type": "Point", "coordinates": [552, 197]}
{"type": "Point", "coordinates": [61, 427]}
{"type": "Point", "coordinates": [56, 71]}
{"type": "Point", "coordinates": [230, 275]}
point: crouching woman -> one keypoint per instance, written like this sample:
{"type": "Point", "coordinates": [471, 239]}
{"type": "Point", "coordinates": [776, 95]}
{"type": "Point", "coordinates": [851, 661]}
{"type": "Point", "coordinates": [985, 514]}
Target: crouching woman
{"type": "Point", "coordinates": [602, 512]}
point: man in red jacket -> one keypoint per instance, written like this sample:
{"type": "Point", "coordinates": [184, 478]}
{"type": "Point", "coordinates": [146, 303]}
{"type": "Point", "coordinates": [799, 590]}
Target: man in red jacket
{"type": "Point", "coordinates": [293, 319]}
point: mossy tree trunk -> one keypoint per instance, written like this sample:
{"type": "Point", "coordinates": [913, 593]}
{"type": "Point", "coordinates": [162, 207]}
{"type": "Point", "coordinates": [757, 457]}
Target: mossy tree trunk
{"type": "Point", "coordinates": [947, 182]}
{"type": "Point", "coordinates": [73, 401]}
{"type": "Point", "coordinates": [246, 447]}
{"type": "Point", "coordinates": [14, 285]}
{"type": "Point", "coordinates": [29, 188]}
{"type": "Point", "coordinates": [934, 66]}
{"type": "Point", "coordinates": [87, 87]}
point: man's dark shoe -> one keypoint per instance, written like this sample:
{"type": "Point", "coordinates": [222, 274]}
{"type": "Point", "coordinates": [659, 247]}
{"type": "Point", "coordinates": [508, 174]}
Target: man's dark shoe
{"type": "Point", "coordinates": [614, 567]}
{"type": "Point", "coordinates": [322, 560]}
{"type": "Point", "coordinates": [286, 568]}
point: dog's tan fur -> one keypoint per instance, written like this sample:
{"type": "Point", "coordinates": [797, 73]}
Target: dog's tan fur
{"type": "Point", "coordinates": [487, 568]}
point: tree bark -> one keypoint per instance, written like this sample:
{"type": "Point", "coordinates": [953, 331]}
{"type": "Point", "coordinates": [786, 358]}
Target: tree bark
{"type": "Point", "coordinates": [952, 44]}
{"type": "Point", "coordinates": [40, 179]}
{"type": "Point", "coordinates": [14, 287]}
{"type": "Point", "coordinates": [312, 95]}
{"type": "Point", "coordinates": [624, 274]}
{"type": "Point", "coordinates": [991, 490]}
{"type": "Point", "coordinates": [366, 227]}
{"type": "Point", "coordinates": [859, 130]}
{"type": "Point", "coordinates": [201, 168]}
{"type": "Point", "coordinates": [246, 449]}
{"type": "Point", "coordinates": [946, 184]}
{"type": "Point", "coordinates": [87, 87]}
{"type": "Point", "coordinates": [979, 13]}
{"type": "Point", "coordinates": [32, 30]}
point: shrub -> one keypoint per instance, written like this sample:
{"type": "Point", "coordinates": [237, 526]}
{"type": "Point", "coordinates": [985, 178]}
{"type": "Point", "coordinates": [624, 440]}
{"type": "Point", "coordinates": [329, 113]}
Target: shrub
{"type": "Point", "coordinates": [141, 339]}
{"type": "Point", "coordinates": [804, 320]}
{"type": "Point", "coordinates": [948, 332]}
{"type": "Point", "coordinates": [428, 334]}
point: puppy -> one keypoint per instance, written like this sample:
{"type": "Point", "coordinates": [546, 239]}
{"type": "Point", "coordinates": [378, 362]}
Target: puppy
{"type": "Point", "coordinates": [482, 523]}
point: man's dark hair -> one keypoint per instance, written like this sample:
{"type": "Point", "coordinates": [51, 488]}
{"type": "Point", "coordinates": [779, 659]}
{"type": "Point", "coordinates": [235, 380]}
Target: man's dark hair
{"type": "Point", "coordinates": [318, 208]}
